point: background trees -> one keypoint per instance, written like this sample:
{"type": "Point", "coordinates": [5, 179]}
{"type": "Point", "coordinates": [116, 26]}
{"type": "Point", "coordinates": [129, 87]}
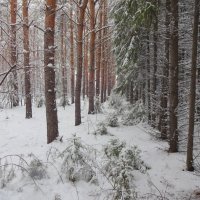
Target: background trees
{"type": "Point", "coordinates": [153, 52]}
{"type": "Point", "coordinates": [147, 45]}
{"type": "Point", "coordinates": [28, 43]}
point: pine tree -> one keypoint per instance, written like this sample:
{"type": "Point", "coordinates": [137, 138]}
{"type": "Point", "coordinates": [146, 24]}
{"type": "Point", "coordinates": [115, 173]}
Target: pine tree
{"type": "Point", "coordinates": [28, 100]}
{"type": "Point", "coordinates": [163, 118]}
{"type": "Point", "coordinates": [13, 46]}
{"type": "Point", "coordinates": [81, 16]}
{"type": "Point", "coordinates": [99, 52]}
{"type": "Point", "coordinates": [72, 52]}
{"type": "Point", "coordinates": [91, 92]}
{"type": "Point", "coordinates": [173, 79]}
{"type": "Point", "coordinates": [49, 71]}
{"type": "Point", "coordinates": [192, 96]}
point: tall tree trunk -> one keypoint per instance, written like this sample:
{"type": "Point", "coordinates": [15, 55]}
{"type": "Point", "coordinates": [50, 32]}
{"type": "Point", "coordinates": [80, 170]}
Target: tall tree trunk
{"type": "Point", "coordinates": [63, 63]}
{"type": "Point", "coordinates": [86, 67]}
{"type": "Point", "coordinates": [192, 96]}
{"type": "Point", "coordinates": [27, 60]}
{"type": "Point", "coordinates": [109, 78]}
{"type": "Point", "coordinates": [148, 80]}
{"type": "Point", "coordinates": [13, 13]}
{"type": "Point", "coordinates": [92, 57]}
{"type": "Point", "coordinates": [81, 17]}
{"type": "Point", "coordinates": [154, 86]}
{"type": "Point", "coordinates": [102, 72]}
{"type": "Point", "coordinates": [163, 121]}
{"type": "Point", "coordinates": [98, 67]}
{"type": "Point", "coordinates": [85, 89]}
{"type": "Point", "coordinates": [49, 71]}
{"type": "Point", "coordinates": [105, 49]}
{"type": "Point", "coordinates": [173, 79]}
{"type": "Point", "coordinates": [72, 53]}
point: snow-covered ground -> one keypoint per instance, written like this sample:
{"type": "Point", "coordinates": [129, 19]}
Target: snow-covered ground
{"type": "Point", "coordinates": [19, 136]}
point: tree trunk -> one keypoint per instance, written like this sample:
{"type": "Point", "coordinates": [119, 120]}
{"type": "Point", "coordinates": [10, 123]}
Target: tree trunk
{"type": "Point", "coordinates": [154, 86]}
{"type": "Point", "coordinates": [192, 96]}
{"type": "Point", "coordinates": [105, 50]}
{"type": "Point", "coordinates": [92, 57]}
{"type": "Point", "coordinates": [148, 80]}
{"type": "Point", "coordinates": [84, 69]}
{"type": "Point", "coordinates": [63, 63]}
{"type": "Point", "coordinates": [86, 65]}
{"type": "Point", "coordinates": [173, 79]}
{"type": "Point", "coordinates": [99, 55]}
{"type": "Point", "coordinates": [27, 61]}
{"type": "Point", "coordinates": [109, 74]}
{"type": "Point", "coordinates": [13, 13]}
{"type": "Point", "coordinates": [72, 54]}
{"type": "Point", "coordinates": [163, 121]}
{"type": "Point", "coordinates": [49, 71]}
{"type": "Point", "coordinates": [81, 16]}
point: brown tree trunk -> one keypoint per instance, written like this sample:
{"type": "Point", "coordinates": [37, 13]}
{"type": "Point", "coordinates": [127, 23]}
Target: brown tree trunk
{"type": "Point", "coordinates": [86, 66]}
{"type": "Point", "coordinates": [163, 121]}
{"type": "Point", "coordinates": [105, 51]}
{"type": "Point", "coordinates": [85, 81]}
{"type": "Point", "coordinates": [102, 73]}
{"type": "Point", "coordinates": [49, 71]}
{"type": "Point", "coordinates": [84, 69]}
{"type": "Point", "coordinates": [63, 63]}
{"type": "Point", "coordinates": [98, 67]}
{"type": "Point", "coordinates": [192, 96]}
{"type": "Point", "coordinates": [33, 56]}
{"type": "Point", "coordinates": [92, 57]}
{"type": "Point", "coordinates": [72, 54]}
{"type": "Point", "coordinates": [154, 86]}
{"type": "Point", "coordinates": [173, 79]}
{"type": "Point", "coordinates": [81, 17]}
{"type": "Point", "coordinates": [109, 74]}
{"type": "Point", "coordinates": [13, 16]}
{"type": "Point", "coordinates": [148, 80]}
{"type": "Point", "coordinates": [27, 61]}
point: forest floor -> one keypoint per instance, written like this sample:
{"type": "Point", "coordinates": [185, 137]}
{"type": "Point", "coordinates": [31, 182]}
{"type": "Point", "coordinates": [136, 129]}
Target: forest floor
{"type": "Point", "coordinates": [25, 139]}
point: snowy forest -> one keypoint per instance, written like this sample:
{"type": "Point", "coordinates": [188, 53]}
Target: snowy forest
{"type": "Point", "coordinates": [99, 100]}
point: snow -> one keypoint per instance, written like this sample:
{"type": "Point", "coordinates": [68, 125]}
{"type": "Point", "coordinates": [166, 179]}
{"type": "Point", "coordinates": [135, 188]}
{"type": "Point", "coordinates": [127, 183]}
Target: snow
{"type": "Point", "coordinates": [20, 136]}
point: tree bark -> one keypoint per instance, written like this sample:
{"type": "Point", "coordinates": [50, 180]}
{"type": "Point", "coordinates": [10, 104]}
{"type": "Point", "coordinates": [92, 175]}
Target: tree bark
{"type": "Point", "coordinates": [81, 17]}
{"type": "Point", "coordinates": [163, 121]}
{"type": "Point", "coordinates": [105, 51]}
{"type": "Point", "coordinates": [13, 17]}
{"type": "Point", "coordinates": [63, 56]}
{"type": "Point", "coordinates": [173, 79]}
{"type": "Point", "coordinates": [85, 89]}
{"type": "Point", "coordinates": [109, 70]}
{"type": "Point", "coordinates": [148, 80]}
{"type": "Point", "coordinates": [99, 55]}
{"type": "Point", "coordinates": [155, 66]}
{"type": "Point", "coordinates": [72, 54]}
{"type": "Point", "coordinates": [192, 96]}
{"type": "Point", "coordinates": [92, 57]}
{"type": "Point", "coordinates": [27, 61]}
{"type": "Point", "coordinates": [49, 71]}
